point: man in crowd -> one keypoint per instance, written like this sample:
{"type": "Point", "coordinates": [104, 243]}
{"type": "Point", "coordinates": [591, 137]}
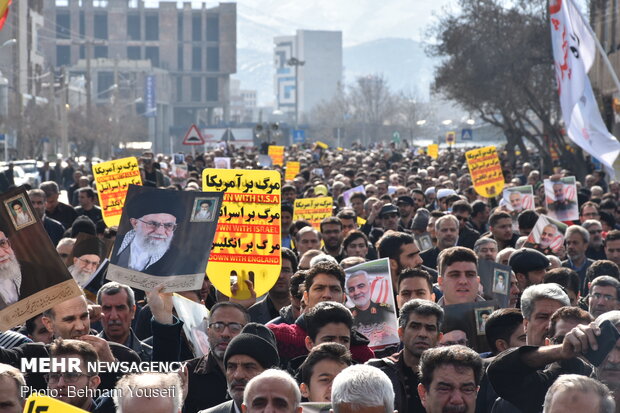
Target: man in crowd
{"type": "Point", "coordinates": [538, 303]}
{"type": "Point", "coordinates": [406, 210]}
{"type": "Point", "coordinates": [529, 267]}
{"type": "Point", "coordinates": [402, 251]}
{"type": "Point", "coordinates": [63, 213]}
{"type": "Point", "coordinates": [71, 386]}
{"type": "Point", "coordinates": [604, 295]}
{"type": "Point", "coordinates": [331, 232]}
{"type": "Point", "coordinates": [447, 232]}
{"type": "Point", "coordinates": [500, 225]}
{"type": "Point", "coordinates": [324, 362]}
{"type": "Point", "coordinates": [612, 246]}
{"type": "Point", "coordinates": [132, 390]}
{"type": "Point", "coordinates": [307, 239]}
{"type": "Point", "coordinates": [576, 239]}
{"type": "Point", "coordinates": [486, 249]}
{"type": "Point", "coordinates": [414, 283]}
{"type": "Point", "coordinates": [11, 382]}
{"type": "Point", "coordinates": [54, 229]}
{"type": "Point", "coordinates": [362, 388]}
{"type": "Point", "coordinates": [272, 390]}
{"type": "Point", "coordinates": [572, 392]}
{"type": "Point", "coordinates": [118, 307]}
{"type": "Point", "coordinates": [458, 276]}
{"type": "Point", "coordinates": [449, 379]}
{"type": "Point", "coordinates": [596, 250]}
{"type": "Point", "coordinates": [88, 206]}
{"type": "Point", "coordinates": [479, 219]}
{"type": "Point", "coordinates": [419, 330]}
{"type": "Point", "coordinates": [248, 354]}
{"type": "Point", "coordinates": [279, 295]}
{"type": "Point", "coordinates": [467, 236]}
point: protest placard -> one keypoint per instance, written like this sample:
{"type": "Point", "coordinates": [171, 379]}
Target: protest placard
{"type": "Point", "coordinates": [164, 238]}
{"type": "Point", "coordinates": [277, 154]}
{"type": "Point", "coordinates": [112, 179]}
{"type": "Point", "coordinates": [221, 162]}
{"type": "Point", "coordinates": [486, 171]}
{"type": "Point", "coordinates": [433, 150]}
{"type": "Point", "coordinates": [195, 318]}
{"type": "Point", "coordinates": [547, 235]}
{"type": "Point", "coordinates": [34, 278]}
{"type": "Point", "coordinates": [465, 323]}
{"type": "Point", "coordinates": [495, 281]}
{"type": "Point", "coordinates": [371, 301]}
{"type": "Point", "coordinates": [292, 169]}
{"type": "Point", "coordinates": [561, 198]}
{"type": "Point", "coordinates": [313, 210]}
{"type": "Point", "coordinates": [346, 195]}
{"type": "Point", "coordinates": [247, 242]}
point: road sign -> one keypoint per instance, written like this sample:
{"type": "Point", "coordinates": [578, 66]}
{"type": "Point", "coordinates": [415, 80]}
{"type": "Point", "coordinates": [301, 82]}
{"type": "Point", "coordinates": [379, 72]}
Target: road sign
{"type": "Point", "coordinates": [451, 138]}
{"type": "Point", "coordinates": [467, 135]}
{"type": "Point", "coordinates": [228, 136]}
{"type": "Point", "coordinates": [299, 135]}
{"type": "Point", "coordinates": [396, 137]}
{"type": "Point", "coordinates": [193, 137]}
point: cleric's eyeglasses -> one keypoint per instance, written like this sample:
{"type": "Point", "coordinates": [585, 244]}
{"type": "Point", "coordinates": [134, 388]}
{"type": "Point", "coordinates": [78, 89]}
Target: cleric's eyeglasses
{"type": "Point", "coordinates": [154, 225]}
{"type": "Point", "coordinates": [69, 377]}
{"type": "Point", "coordinates": [5, 243]}
{"type": "Point", "coordinates": [89, 262]}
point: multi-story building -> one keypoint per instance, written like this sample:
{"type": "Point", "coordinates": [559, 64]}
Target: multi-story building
{"type": "Point", "coordinates": [308, 69]}
{"type": "Point", "coordinates": [190, 51]}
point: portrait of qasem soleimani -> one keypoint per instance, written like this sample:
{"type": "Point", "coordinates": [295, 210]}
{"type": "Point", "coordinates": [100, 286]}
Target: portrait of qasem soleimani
{"type": "Point", "coordinates": [155, 219]}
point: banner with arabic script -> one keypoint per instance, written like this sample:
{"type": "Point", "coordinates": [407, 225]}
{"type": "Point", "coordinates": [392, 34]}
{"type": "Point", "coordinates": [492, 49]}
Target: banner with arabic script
{"type": "Point", "coordinates": [112, 179]}
{"type": "Point", "coordinates": [248, 237]}
{"type": "Point", "coordinates": [486, 171]}
{"type": "Point", "coordinates": [313, 210]}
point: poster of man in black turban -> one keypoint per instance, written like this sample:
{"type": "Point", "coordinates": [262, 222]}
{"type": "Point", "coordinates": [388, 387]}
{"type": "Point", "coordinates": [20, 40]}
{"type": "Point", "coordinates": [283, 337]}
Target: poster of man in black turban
{"type": "Point", "coordinates": [158, 243]}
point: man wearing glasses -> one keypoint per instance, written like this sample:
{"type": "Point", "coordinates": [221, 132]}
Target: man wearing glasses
{"type": "Point", "coordinates": [86, 258]}
{"type": "Point", "coordinates": [147, 247]}
{"type": "Point", "coordinates": [74, 387]}
{"type": "Point", "coordinates": [10, 274]}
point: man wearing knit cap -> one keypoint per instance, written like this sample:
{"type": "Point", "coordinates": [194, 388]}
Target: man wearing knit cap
{"type": "Point", "coordinates": [147, 248]}
{"type": "Point", "coordinates": [86, 259]}
{"type": "Point", "coordinates": [250, 353]}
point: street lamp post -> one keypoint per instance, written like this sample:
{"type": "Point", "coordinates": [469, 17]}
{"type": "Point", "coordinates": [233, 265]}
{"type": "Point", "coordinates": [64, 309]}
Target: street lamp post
{"type": "Point", "coordinates": [293, 61]}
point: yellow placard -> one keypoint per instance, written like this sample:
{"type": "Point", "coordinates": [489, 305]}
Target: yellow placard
{"type": "Point", "coordinates": [292, 169]}
{"type": "Point", "coordinates": [313, 210]}
{"type": "Point", "coordinates": [248, 237]}
{"type": "Point", "coordinates": [433, 150]}
{"type": "Point", "coordinates": [112, 179]}
{"type": "Point", "coordinates": [277, 154]}
{"type": "Point", "coordinates": [41, 403]}
{"type": "Point", "coordinates": [486, 171]}
{"type": "Point", "coordinates": [451, 138]}
{"type": "Point", "coordinates": [322, 145]}
{"type": "Point", "coordinates": [360, 221]}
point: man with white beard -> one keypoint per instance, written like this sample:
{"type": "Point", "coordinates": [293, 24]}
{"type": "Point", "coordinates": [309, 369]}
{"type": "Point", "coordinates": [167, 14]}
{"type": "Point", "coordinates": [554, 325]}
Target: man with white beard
{"type": "Point", "coordinates": [86, 259]}
{"type": "Point", "coordinates": [10, 274]}
{"type": "Point", "coordinates": [147, 247]}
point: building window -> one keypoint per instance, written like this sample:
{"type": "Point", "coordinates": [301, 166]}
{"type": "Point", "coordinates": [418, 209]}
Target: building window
{"type": "Point", "coordinates": [196, 59]}
{"type": "Point", "coordinates": [152, 54]}
{"type": "Point", "coordinates": [63, 25]}
{"type": "Point", "coordinates": [63, 55]}
{"type": "Point", "coordinates": [212, 89]}
{"type": "Point", "coordinates": [196, 89]}
{"type": "Point", "coordinates": [197, 28]}
{"type": "Point", "coordinates": [82, 51]}
{"type": "Point", "coordinates": [105, 80]}
{"type": "Point", "coordinates": [101, 26]}
{"type": "Point", "coordinates": [179, 89]}
{"type": "Point", "coordinates": [180, 27]}
{"type": "Point", "coordinates": [82, 24]}
{"type": "Point", "coordinates": [151, 27]}
{"type": "Point", "coordinates": [133, 26]}
{"type": "Point", "coordinates": [213, 59]}
{"type": "Point", "coordinates": [101, 52]}
{"type": "Point", "coordinates": [133, 53]}
{"type": "Point", "coordinates": [180, 57]}
{"type": "Point", "coordinates": [213, 28]}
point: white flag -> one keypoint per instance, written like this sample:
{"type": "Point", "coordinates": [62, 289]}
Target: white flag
{"type": "Point", "coordinates": [573, 53]}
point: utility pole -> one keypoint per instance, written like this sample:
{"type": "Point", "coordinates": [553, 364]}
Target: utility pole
{"type": "Point", "coordinates": [293, 61]}
{"type": "Point", "coordinates": [64, 130]}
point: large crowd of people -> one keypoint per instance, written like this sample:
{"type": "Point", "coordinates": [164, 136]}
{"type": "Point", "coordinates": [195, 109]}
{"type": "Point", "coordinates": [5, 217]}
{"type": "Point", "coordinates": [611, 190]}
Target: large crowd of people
{"type": "Point", "coordinates": [551, 347]}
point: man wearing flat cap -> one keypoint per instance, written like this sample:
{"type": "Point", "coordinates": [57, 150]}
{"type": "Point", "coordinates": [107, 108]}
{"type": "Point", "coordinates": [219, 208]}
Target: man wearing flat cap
{"type": "Point", "coordinates": [148, 248]}
{"type": "Point", "coordinates": [250, 353]}
{"type": "Point", "coordinates": [529, 266]}
{"type": "Point", "coordinates": [87, 254]}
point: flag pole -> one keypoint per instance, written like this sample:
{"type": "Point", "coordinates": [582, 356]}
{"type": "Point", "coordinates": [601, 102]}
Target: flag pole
{"type": "Point", "coordinates": [612, 72]}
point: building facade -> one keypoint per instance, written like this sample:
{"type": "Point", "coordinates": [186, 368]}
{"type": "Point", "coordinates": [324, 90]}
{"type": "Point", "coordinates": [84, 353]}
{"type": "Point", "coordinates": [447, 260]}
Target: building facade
{"type": "Point", "coordinates": [308, 70]}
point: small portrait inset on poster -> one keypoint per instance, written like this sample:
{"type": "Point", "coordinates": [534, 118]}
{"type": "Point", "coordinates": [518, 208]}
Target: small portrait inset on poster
{"type": "Point", "coordinates": [425, 242]}
{"type": "Point", "coordinates": [20, 213]}
{"type": "Point", "coordinates": [500, 281]}
{"type": "Point", "coordinates": [204, 210]}
{"type": "Point", "coordinates": [482, 315]}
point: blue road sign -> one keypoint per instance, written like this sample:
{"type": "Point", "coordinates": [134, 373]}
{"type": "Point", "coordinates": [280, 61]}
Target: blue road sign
{"type": "Point", "coordinates": [299, 135]}
{"type": "Point", "coordinates": [467, 135]}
